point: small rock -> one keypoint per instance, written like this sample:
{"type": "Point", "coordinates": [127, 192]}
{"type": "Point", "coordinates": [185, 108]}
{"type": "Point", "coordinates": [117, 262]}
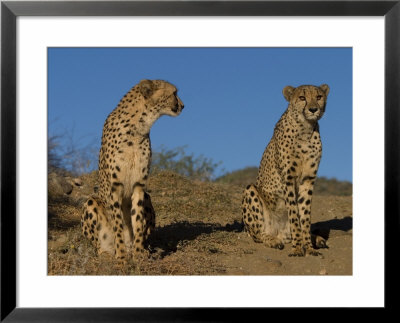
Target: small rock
{"type": "Point", "coordinates": [59, 242]}
{"type": "Point", "coordinates": [58, 185]}
{"type": "Point", "coordinates": [323, 272]}
{"type": "Point", "coordinates": [66, 187]}
{"type": "Point", "coordinates": [275, 263]}
{"type": "Point", "coordinates": [77, 181]}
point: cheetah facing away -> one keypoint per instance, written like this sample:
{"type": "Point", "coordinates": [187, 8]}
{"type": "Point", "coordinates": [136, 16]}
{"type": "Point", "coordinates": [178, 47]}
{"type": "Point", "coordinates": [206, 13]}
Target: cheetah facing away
{"type": "Point", "coordinates": [277, 209]}
{"type": "Point", "coordinates": [120, 218]}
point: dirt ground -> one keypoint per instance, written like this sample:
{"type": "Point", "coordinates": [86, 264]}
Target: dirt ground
{"type": "Point", "coordinates": [198, 232]}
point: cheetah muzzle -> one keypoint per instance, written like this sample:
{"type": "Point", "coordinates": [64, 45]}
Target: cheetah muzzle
{"type": "Point", "coordinates": [277, 209]}
{"type": "Point", "coordinates": [120, 218]}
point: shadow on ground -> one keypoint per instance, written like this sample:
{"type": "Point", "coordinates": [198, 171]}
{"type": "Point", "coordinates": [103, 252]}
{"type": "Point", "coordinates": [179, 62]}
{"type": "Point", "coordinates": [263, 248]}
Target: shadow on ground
{"type": "Point", "coordinates": [323, 228]}
{"type": "Point", "coordinates": [170, 236]}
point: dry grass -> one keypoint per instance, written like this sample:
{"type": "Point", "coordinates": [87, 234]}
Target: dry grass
{"type": "Point", "coordinates": [198, 232]}
{"type": "Point", "coordinates": [194, 221]}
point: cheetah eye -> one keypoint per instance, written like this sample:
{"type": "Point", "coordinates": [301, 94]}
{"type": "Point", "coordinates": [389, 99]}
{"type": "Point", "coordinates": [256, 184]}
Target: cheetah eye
{"type": "Point", "coordinates": [319, 97]}
{"type": "Point", "coordinates": [302, 98]}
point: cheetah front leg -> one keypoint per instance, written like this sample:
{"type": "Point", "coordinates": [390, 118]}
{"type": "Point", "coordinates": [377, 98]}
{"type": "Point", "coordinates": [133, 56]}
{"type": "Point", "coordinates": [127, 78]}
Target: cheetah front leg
{"type": "Point", "coordinates": [293, 215]}
{"type": "Point", "coordinates": [304, 202]}
{"type": "Point", "coordinates": [150, 216]}
{"type": "Point", "coordinates": [138, 215]}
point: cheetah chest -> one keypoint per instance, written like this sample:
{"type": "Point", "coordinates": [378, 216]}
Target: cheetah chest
{"type": "Point", "coordinates": [306, 156]}
{"type": "Point", "coordinates": [134, 164]}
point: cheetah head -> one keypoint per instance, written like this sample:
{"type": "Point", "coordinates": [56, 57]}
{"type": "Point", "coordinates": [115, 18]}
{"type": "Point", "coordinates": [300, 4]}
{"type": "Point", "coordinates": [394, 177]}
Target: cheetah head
{"type": "Point", "coordinates": [162, 96]}
{"type": "Point", "coordinates": [306, 102]}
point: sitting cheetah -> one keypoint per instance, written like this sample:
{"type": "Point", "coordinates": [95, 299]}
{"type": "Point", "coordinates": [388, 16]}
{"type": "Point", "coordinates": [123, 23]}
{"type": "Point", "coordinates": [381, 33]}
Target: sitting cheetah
{"type": "Point", "coordinates": [121, 216]}
{"type": "Point", "coordinates": [277, 209]}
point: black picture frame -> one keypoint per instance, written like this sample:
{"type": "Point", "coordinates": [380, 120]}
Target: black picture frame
{"type": "Point", "coordinates": [10, 10]}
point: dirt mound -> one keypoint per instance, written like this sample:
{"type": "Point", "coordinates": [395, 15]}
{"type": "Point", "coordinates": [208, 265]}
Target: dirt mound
{"type": "Point", "coordinates": [323, 185]}
{"type": "Point", "coordinates": [198, 232]}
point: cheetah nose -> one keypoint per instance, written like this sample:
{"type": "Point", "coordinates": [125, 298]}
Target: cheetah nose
{"type": "Point", "coordinates": [312, 110]}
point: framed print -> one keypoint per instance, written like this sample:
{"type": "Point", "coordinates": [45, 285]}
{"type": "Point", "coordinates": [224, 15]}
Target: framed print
{"type": "Point", "coordinates": [69, 61]}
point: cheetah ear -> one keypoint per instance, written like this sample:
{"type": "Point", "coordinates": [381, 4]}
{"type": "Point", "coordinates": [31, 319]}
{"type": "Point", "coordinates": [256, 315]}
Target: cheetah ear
{"type": "Point", "coordinates": [146, 88]}
{"type": "Point", "coordinates": [287, 92]}
{"type": "Point", "coordinates": [325, 88]}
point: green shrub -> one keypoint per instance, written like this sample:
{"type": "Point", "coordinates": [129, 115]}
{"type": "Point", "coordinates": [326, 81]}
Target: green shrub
{"type": "Point", "coordinates": [177, 160]}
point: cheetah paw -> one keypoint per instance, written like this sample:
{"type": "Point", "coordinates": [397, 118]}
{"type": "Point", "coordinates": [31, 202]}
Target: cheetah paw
{"type": "Point", "coordinates": [296, 252]}
{"type": "Point", "coordinates": [320, 243]}
{"type": "Point", "coordinates": [279, 246]}
{"type": "Point", "coordinates": [313, 252]}
{"type": "Point", "coordinates": [141, 254]}
{"type": "Point", "coordinates": [121, 262]}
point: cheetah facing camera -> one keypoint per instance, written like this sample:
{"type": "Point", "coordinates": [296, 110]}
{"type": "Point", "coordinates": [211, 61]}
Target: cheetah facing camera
{"type": "Point", "coordinates": [277, 209]}
{"type": "Point", "coordinates": [120, 218]}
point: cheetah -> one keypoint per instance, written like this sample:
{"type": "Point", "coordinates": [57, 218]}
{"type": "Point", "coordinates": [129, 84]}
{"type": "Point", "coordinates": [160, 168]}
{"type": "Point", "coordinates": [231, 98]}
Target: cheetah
{"type": "Point", "coordinates": [277, 209]}
{"type": "Point", "coordinates": [119, 218]}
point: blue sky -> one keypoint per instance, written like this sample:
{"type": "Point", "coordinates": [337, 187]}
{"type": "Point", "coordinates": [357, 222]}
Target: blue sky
{"type": "Point", "coordinates": [232, 96]}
